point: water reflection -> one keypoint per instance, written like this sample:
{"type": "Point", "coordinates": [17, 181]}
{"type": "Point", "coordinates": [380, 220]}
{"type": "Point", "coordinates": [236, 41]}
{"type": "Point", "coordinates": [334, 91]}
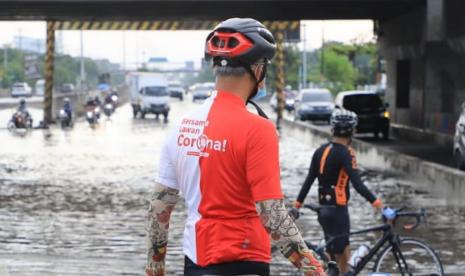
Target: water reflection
{"type": "Point", "coordinates": [74, 203]}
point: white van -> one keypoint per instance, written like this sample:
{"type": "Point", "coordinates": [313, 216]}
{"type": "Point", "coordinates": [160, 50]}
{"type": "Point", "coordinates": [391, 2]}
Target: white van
{"type": "Point", "coordinates": [21, 89]}
{"type": "Point", "coordinates": [154, 100]}
{"type": "Point", "coordinates": [136, 81]}
{"type": "Point", "coordinates": [40, 87]}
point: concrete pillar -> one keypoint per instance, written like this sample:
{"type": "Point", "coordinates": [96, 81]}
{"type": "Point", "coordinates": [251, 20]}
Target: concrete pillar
{"type": "Point", "coordinates": [435, 25]}
{"type": "Point", "coordinates": [280, 76]}
{"type": "Point", "coordinates": [49, 68]}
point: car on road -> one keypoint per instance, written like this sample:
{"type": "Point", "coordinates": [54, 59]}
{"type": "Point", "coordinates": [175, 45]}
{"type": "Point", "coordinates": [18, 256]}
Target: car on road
{"type": "Point", "coordinates": [202, 91]}
{"type": "Point", "coordinates": [372, 113]}
{"type": "Point", "coordinates": [289, 101]}
{"type": "Point", "coordinates": [459, 140]}
{"type": "Point", "coordinates": [21, 89]}
{"type": "Point", "coordinates": [67, 88]}
{"type": "Point", "coordinates": [314, 104]}
{"type": "Point", "coordinates": [176, 91]}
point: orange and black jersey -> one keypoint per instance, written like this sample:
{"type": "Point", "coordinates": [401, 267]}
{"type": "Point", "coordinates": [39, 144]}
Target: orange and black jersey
{"type": "Point", "coordinates": [334, 165]}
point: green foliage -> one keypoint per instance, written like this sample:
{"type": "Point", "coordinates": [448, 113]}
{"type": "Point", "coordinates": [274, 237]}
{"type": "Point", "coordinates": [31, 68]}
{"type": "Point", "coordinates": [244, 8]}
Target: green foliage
{"type": "Point", "coordinates": [344, 66]}
{"type": "Point", "coordinates": [67, 69]}
{"type": "Point", "coordinates": [338, 71]}
{"type": "Point", "coordinates": [292, 63]}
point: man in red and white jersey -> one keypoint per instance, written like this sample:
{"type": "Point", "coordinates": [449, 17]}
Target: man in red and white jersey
{"type": "Point", "coordinates": [225, 162]}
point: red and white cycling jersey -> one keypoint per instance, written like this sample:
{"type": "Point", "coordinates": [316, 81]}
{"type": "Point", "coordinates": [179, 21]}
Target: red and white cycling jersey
{"type": "Point", "coordinates": [223, 159]}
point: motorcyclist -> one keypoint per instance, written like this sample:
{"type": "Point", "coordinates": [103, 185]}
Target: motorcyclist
{"type": "Point", "coordinates": [108, 98]}
{"type": "Point", "coordinates": [97, 100]}
{"type": "Point", "coordinates": [91, 103]}
{"type": "Point", "coordinates": [67, 108]}
{"type": "Point", "coordinates": [22, 108]}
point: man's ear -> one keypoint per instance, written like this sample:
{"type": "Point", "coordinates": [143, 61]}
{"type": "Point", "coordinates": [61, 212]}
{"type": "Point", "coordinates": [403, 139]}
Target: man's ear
{"type": "Point", "coordinates": [258, 69]}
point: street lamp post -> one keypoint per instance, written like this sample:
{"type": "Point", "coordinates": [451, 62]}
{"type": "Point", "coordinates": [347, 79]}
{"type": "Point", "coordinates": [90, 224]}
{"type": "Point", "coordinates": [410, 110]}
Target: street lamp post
{"type": "Point", "coordinates": [304, 57]}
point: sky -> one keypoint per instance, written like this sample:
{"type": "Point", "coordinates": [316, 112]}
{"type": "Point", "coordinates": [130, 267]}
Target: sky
{"type": "Point", "coordinates": [177, 46]}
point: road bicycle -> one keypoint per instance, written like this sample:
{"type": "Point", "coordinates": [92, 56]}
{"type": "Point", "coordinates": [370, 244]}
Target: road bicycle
{"type": "Point", "coordinates": [392, 253]}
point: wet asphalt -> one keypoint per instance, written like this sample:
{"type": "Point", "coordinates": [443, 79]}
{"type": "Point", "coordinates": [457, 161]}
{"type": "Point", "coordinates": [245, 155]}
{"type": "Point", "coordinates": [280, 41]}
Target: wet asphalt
{"type": "Point", "coordinates": [74, 202]}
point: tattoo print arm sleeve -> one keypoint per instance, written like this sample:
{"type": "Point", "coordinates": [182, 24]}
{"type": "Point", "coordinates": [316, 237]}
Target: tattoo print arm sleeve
{"type": "Point", "coordinates": [286, 236]}
{"type": "Point", "coordinates": [162, 204]}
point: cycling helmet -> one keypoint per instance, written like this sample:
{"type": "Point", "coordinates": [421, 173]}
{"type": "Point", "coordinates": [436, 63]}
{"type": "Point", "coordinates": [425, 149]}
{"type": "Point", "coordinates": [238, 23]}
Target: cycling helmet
{"type": "Point", "coordinates": [241, 42]}
{"type": "Point", "coordinates": [66, 100]}
{"type": "Point", "coordinates": [22, 102]}
{"type": "Point", "coordinates": [343, 122]}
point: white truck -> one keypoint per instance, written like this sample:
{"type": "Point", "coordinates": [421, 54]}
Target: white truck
{"type": "Point", "coordinates": [149, 94]}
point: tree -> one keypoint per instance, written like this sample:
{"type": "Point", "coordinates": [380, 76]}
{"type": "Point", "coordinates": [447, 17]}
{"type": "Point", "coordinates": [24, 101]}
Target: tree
{"type": "Point", "coordinates": [338, 71]}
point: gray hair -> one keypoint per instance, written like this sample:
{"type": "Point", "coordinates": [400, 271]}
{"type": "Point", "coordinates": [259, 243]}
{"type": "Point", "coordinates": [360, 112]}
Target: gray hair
{"type": "Point", "coordinates": [226, 71]}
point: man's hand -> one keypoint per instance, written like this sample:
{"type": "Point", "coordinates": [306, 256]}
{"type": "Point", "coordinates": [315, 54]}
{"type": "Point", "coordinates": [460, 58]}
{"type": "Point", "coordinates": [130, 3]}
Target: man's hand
{"type": "Point", "coordinates": [154, 270]}
{"type": "Point", "coordinates": [287, 238]}
{"type": "Point", "coordinates": [294, 213]}
{"type": "Point", "coordinates": [389, 213]}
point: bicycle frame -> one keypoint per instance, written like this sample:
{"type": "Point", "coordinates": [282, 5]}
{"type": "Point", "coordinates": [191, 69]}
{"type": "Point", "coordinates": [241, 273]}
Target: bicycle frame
{"type": "Point", "coordinates": [388, 237]}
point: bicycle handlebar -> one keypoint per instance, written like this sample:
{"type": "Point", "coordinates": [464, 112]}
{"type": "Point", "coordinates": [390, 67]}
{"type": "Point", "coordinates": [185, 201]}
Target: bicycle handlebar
{"type": "Point", "coordinates": [399, 213]}
{"type": "Point", "coordinates": [417, 215]}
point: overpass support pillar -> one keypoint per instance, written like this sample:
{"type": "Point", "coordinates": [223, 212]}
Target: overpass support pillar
{"type": "Point", "coordinates": [49, 68]}
{"type": "Point", "coordinates": [279, 77]}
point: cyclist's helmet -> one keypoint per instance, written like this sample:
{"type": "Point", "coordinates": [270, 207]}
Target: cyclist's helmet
{"type": "Point", "coordinates": [22, 102]}
{"type": "Point", "coordinates": [66, 100]}
{"type": "Point", "coordinates": [343, 122]}
{"type": "Point", "coordinates": [241, 42]}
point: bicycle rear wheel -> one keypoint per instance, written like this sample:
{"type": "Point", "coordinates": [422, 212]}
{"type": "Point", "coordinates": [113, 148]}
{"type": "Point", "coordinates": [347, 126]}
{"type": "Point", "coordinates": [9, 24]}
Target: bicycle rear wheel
{"type": "Point", "coordinates": [420, 258]}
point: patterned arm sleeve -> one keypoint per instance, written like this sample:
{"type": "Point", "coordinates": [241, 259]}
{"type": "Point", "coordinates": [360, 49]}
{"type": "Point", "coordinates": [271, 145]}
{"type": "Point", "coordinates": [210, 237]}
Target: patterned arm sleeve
{"type": "Point", "coordinates": [162, 204]}
{"type": "Point", "coordinates": [286, 236]}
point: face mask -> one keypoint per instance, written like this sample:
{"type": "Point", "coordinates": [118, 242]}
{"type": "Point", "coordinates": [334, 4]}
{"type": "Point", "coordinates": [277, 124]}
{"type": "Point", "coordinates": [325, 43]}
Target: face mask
{"type": "Point", "coordinates": [260, 93]}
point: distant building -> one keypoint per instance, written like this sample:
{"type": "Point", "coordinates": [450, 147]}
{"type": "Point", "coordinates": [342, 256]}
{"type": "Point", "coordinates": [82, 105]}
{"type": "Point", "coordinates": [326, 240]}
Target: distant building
{"type": "Point", "coordinates": [157, 63]}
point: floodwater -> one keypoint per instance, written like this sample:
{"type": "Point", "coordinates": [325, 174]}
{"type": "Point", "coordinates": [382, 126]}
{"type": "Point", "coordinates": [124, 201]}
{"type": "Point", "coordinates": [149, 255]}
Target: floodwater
{"type": "Point", "coordinates": [75, 202]}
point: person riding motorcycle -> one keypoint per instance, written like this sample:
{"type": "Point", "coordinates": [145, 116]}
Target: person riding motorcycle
{"type": "Point", "coordinates": [334, 164]}
{"type": "Point", "coordinates": [67, 108]}
{"type": "Point", "coordinates": [97, 100]}
{"type": "Point", "coordinates": [229, 179]}
{"type": "Point", "coordinates": [22, 109]}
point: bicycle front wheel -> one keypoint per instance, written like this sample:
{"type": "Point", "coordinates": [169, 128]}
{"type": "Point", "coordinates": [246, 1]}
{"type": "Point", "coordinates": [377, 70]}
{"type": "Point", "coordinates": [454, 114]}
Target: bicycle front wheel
{"type": "Point", "coordinates": [419, 257]}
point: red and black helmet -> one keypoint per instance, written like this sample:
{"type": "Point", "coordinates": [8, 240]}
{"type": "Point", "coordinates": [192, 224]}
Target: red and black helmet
{"type": "Point", "coordinates": [240, 42]}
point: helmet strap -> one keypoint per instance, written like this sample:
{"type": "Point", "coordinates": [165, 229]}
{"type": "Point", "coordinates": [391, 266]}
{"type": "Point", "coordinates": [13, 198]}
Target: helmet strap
{"type": "Point", "coordinates": [255, 89]}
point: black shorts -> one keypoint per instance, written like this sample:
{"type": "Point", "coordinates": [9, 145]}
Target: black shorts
{"type": "Point", "coordinates": [233, 268]}
{"type": "Point", "coordinates": [335, 222]}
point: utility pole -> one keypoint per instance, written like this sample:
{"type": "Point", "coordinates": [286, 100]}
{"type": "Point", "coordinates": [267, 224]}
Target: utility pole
{"type": "Point", "coordinates": [322, 72]}
{"type": "Point", "coordinates": [124, 50]}
{"type": "Point", "coordinates": [82, 77]}
{"type": "Point", "coordinates": [5, 56]}
{"type": "Point", "coordinates": [304, 58]}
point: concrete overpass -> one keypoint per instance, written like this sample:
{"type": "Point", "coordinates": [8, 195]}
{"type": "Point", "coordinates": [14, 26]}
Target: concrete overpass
{"type": "Point", "coordinates": [423, 42]}
{"type": "Point", "coordinates": [204, 9]}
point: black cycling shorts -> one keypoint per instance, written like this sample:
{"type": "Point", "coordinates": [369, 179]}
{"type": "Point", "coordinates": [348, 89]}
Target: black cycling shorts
{"type": "Point", "coordinates": [233, 268]}
{"type": "Point", "coordinates": [335, 222]}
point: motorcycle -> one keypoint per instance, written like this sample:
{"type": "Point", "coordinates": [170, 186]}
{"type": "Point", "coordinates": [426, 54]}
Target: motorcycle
{"type": "Point", "coordinates": [65, 119]}
{"type": "Point", "coordinates": [114, 99]}
{"type": "Point", "coordinates": [20, 120]}
{"type": "Point", "coordinates": [92, 115]}
{"type": "Point", "coordinates": [108, 109]}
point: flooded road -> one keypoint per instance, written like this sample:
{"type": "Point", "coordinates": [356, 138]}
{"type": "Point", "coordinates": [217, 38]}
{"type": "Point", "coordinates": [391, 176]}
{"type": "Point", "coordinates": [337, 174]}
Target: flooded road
{"type": "Point", "coordinates": [74, 202]}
